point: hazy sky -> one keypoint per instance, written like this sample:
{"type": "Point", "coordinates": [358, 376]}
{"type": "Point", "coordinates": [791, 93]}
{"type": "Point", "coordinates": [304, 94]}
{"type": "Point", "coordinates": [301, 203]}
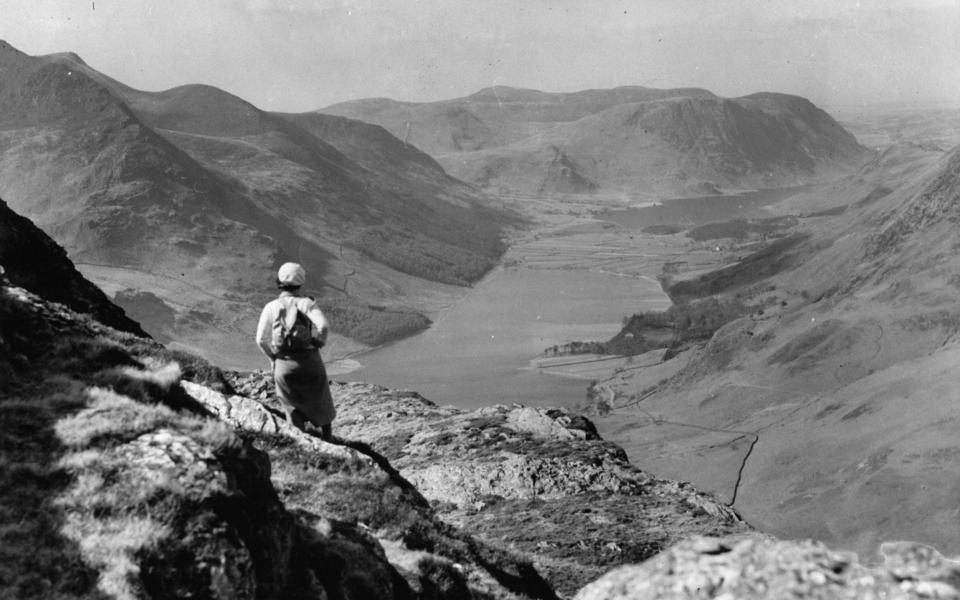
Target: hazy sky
{"type": "Point", "coordinates": [305, 54]}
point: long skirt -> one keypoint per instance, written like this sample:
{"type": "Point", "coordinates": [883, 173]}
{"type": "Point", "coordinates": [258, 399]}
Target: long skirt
{"type": "Point", "coordinates": [301, 384]}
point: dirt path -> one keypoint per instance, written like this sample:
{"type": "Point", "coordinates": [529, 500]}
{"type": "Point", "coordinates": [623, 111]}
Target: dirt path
{"type": "Point", "coordinates": [659, 421]}
{"type": "Point", "coordinates": [610, 396]}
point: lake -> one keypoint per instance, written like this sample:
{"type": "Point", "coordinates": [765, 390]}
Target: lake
{"type": "Point", "coordinates": [478, 352]}
{"type": "Point", "coordinates": [699, 210]}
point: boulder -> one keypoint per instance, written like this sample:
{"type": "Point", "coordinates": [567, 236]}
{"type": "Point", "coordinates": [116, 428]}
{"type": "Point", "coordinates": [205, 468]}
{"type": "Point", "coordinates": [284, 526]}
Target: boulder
{"type": "Point", "coordinates": [756, 567]}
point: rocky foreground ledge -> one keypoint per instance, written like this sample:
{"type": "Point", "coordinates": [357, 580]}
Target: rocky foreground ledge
{"type": "Point", "coordinates": [537, 481]}
{"type": "Point", "coordinates": [133, 472]}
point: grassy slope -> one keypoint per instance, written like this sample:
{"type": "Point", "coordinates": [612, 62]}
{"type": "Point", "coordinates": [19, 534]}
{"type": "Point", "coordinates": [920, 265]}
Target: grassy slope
{"type": "Point", "coordinates": [844, 378]}
{"type": "Point", "coordinates": [60, 472]}
{"type": "Point", "coordinates": [374, 180]}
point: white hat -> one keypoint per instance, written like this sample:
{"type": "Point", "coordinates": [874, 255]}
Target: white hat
{"type": "Point", "coordinates": [291, 274]}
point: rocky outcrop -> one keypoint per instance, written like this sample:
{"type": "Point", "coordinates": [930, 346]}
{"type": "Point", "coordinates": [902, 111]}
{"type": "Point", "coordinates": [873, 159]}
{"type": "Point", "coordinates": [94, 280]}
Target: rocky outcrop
{"type": "Point", "coordinates": [33, 261]}
{"type": "Point", "coordinates": [935, 204]}
{"type": "Point", "coordinates": [752, 567]}
{"type": "Point", "coordinates": [118, 483]}
{"type": "Point", "coordinates": [563, 176]}
{"type": "Point", "coordinates": [349, 482]}
{"type": "Point", "coordinates": [537, 480]}
{"type": "Point", "coordinates": [249, 415]}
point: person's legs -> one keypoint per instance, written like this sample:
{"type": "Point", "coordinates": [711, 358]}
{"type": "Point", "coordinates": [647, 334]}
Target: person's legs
{"type": "Point", "coordinates": [326, 432]}
{"type": "Point", "coordinates": [296, 418]}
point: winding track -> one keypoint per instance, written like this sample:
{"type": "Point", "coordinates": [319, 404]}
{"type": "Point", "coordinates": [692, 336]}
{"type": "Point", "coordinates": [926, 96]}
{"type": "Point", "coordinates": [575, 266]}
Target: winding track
{"type": "Point", "coordinates": [755, 434]}
{"type": "Point", "coordinates": [741, 433]}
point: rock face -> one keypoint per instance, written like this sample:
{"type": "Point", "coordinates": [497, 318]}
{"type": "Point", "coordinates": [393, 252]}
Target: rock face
{"type": "Point", "coordinates": [537, 480]}
{"type": "Point", "coordinates": [628, 139]}
{"type": "Point", "coordinates": [33, 261]}
{"type": "Point", "coordinates": [749, 568]}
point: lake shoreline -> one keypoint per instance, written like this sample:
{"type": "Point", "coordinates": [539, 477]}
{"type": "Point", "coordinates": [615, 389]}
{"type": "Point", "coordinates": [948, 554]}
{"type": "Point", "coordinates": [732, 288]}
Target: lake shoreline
{"type": "Point", "coordinates": [574, 277]}
{"type": "Point", "coordinates": [549, 280]}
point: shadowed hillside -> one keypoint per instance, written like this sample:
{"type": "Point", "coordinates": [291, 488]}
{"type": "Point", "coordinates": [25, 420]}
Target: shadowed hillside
{"type": "Point", "coordinates": [195, 196]}
{"type": "Point", "coordinates": [33, 261]}
{"type": "Point", "coordinates": [630, 139]}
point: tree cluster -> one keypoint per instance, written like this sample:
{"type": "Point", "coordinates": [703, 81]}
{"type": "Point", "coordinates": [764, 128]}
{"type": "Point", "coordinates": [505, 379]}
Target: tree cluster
{"type": "Point", "coordinates": [422, 256]}
{"type": "Point", "coordinates": [372, 325]}
{"type": "Point", "coordinates": [678, 325]}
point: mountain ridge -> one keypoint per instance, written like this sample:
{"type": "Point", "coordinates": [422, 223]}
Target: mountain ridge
{"type": "Point", "coordinates": [690, 137]}
{"type": "Point", "coordinates": [33, 261]}
{"type": "Point", "coordinates": [196, 190]}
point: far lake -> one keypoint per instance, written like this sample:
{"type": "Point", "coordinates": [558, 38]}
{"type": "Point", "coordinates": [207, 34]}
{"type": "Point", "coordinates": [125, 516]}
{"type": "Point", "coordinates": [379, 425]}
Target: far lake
{"type": "Point", "coordinates": [478, 353]}
{"type": "Point", "coordinates": [699, 210]}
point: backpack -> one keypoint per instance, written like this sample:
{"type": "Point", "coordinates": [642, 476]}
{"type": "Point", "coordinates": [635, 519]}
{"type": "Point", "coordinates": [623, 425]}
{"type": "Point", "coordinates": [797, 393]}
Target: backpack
{"type": "Point", "coordinates": [292, 330]}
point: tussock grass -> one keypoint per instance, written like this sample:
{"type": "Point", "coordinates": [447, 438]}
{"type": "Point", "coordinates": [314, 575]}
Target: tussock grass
{"type": "Point", "coordinates": [111, 547]}
{"type": "Point", "coordinates": [111, 418]}
{"type": "Point", "coordinates": [81, 356]}
{"type": "Point", "coordinates": [163, 376]}
{"type": "Point", "coordinates": [128, 487]}
{"type": "Point", "coordinates": [192, 368]}
{"type": "Point", "coordinates": [441, 579]}
{"type": "Point", "coordinates": [77, 508]}
{"type": "Point", "coordinates": [348, 490]}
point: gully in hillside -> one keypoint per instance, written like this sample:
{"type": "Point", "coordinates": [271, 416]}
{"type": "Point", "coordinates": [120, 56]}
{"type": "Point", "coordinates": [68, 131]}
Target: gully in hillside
{"type": "Point", "coordinates": [291, 331]}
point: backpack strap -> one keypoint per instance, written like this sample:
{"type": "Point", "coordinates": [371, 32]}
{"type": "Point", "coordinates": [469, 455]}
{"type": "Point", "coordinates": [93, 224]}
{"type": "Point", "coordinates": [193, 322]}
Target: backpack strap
{"type": "Point", "coordinates": [288, 311]}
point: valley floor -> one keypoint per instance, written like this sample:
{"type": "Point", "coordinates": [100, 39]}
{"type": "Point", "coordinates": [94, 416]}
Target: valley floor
{"type": "Point", "coordinates": [573, 278]}
{"type": "Point", "coordinates": [572, 242]}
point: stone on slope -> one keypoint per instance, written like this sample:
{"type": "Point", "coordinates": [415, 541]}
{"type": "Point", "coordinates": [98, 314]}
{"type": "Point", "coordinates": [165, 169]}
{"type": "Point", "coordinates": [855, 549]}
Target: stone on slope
{"type": "Point", "coordinates": [538, 480]}
{"type": "Point", "coordinates": [754, 567]}
{"type": "Point", "coordinates": [249, 415]}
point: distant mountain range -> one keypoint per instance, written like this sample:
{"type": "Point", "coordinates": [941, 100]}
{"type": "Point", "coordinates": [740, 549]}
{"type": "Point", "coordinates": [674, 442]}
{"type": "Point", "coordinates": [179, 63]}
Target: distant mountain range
{"type": "Point", "coordinates": [182, 203]}
{"type": "Point", "coordinates": [627, 140]}
{"type": "Point", "coordinates": [192, 197]}
{"type": "Point", "coordinates": [833, 397]}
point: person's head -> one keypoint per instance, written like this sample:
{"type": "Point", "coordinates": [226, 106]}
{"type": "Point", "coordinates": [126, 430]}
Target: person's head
{"type": "Point", "coordinates": [290, 277]}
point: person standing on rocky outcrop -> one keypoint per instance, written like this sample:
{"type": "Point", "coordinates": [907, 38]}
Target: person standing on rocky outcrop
{"type": "Point", "coordinates": [291, 331]}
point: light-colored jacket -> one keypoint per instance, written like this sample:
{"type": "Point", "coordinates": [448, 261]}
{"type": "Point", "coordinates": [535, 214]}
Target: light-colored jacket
{"type": "Point", "coordinates": [272, 310]}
